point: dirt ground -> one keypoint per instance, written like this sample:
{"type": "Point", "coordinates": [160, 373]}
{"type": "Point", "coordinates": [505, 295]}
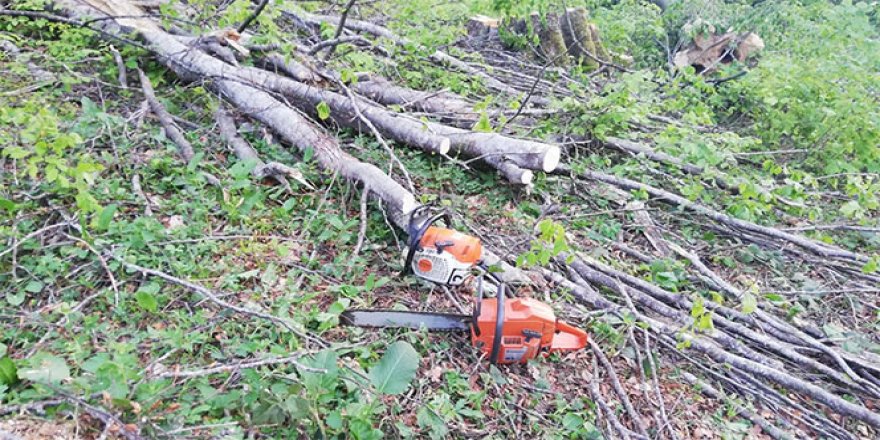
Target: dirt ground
{"type": "Point", "coordinates": [32, 428]}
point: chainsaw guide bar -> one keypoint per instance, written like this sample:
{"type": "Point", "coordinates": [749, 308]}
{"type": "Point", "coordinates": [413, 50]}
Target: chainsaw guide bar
{"type": "Point", "coordinates": [435, 322]}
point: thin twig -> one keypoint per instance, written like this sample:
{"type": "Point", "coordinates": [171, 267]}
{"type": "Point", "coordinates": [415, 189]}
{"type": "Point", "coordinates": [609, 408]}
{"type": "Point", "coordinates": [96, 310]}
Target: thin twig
{"type": "Point", "coordinates": [618, 388]}
{"type": "Point", "coordinates": [103, 262]}
{"type": "Point", "coordinates": [362, 232]}
{"type": "Point", "coordinates": [603, 406]}
{"type": "Point", "coordinates": [213, 297]}
{"type": "Point", "coordinates": [656, 386]}
{"type": "Point", "coordinates": [105, 416]}
{"type": "Point", "coordinates": [340, 27]}
{"type": "Point", "coordinates": [18, 243]}
{"type": "Point", "coordinates": [247, 21]}
{"type": "Point", "coordinates": [120, 67]}
{"type": "Point", "coordinates": [173, 133]}
{"type": "Point", "coordinates": [243, 364]}
{"type": "Point", "coordinates": [332, 43]}
{"type": "Point", "coordinates": [376, 133]}
{"type": "Point", "coordinates": [531, 90]}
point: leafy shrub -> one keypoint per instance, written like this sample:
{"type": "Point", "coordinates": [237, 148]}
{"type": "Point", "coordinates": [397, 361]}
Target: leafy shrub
{"type": "Point", "coordinates": [820, 92]}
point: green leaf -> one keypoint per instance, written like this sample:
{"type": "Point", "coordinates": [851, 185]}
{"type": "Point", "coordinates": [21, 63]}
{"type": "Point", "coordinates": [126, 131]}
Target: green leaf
{"type": "Point", "coordinates": [147, 301]}
{"type": "Point", "coordinates": [8, 372]}
{"type": "Point", "coordinates": [334, 420]}
{"type": "Point", "coordinates": [428, 419]}
{"type": "Point", "coordinates": [33, 286]}
{"type": "Point", "coordinates": [7, 205]}
{"type": "Point", "coordinates": [871, 266]}
{"type": "Point", "coordinates": [16, 152]}
{"type": "Point", "coordinates": [749, 303]}
{"type": "Point", "coordinates": [774, 297]}
{"type": "Point", "coordinates": [45, 368]}
{"type": "Point", "coordinates": [698, 307]}
{"type": "Point", "coordinates": [323, 110]}
{"type": "Point", "coordinates": [105, 217]}
{"type": "Point", "coordinates": [15, 299]}
{"type": "Point", "coordinates": [572, 422]}
{"type": "Point", "coordinates": [483, 124]}
{"type": "Point", "coordinates": [850, 208]}
{"type": "Point", "coordinates": [316, 382]}
{"type": "Point", "coordinates": [396, 369]}
{"type": "Point", "coordinates": [706, 322]}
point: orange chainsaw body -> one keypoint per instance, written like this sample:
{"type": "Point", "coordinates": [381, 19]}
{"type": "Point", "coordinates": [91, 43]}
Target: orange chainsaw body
{"type": "Point", "coordinates": [529, 328]}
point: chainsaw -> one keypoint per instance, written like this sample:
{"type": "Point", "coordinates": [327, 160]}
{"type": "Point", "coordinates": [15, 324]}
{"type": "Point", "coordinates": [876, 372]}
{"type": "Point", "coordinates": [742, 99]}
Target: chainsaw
{"type": "Point", "coordinates": [507, 330]}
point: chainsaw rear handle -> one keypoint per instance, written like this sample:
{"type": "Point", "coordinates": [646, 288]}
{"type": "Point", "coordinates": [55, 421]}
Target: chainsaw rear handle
{"type": "Point", "coordinates": [568, 337]}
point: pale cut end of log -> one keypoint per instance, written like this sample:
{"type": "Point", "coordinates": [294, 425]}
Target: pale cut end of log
{"type": "Point", "coordinates": [444, 146]}
{"type": "Point", "coordinates": [408, 205]}
{"type": "Point", "coordinates": [512, 172]}
{"type": "Point", "coordinates": [552, 158]}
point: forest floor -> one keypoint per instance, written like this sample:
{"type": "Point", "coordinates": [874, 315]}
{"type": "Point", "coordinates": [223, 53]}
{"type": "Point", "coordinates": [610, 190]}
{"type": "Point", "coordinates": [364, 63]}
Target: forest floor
{"type": "Point", "coordinates": [93, 191]}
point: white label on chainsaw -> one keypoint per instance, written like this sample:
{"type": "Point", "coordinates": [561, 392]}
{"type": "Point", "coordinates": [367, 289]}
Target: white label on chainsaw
{"type": "Point", "coordinates": [514, 354]}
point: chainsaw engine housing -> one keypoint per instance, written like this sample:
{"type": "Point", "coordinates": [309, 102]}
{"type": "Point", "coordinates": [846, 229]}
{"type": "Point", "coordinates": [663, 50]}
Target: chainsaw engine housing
{"type": "Point", "coordinates": [445, 256]}
{"type": "Point", "coordinates": [528, 328]}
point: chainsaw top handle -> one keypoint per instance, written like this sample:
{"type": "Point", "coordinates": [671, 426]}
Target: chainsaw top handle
{"type": "Point", "coordinates": [417, 230]}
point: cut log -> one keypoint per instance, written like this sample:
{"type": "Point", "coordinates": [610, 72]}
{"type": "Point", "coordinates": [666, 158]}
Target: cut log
{"type": "Point", "coordinates": [232, 84]}
{"type": "Point", "coordinates": [480, 26]}
{"type": "Point", "coordinates": [342, 111]}
{"type": "Point", "coordinates": [496, 150]}
{"type": "Point", "coordinates": [526, 154]}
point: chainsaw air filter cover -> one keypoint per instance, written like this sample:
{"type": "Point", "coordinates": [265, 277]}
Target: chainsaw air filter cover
{"type": "Point", "coordinates": [446, 256]}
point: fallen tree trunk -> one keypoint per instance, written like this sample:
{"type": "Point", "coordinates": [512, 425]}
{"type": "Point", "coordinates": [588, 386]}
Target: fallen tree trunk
{"type": "Point", "coordinates": [274, 62]}
{"type": "Point", "coordinates": [526, 154]}
{"type": "Point", "coordinates": [386, 93]}
{"type": "Point", "coordinates": [512, 157]}
{"type": "Point", "coordinates": [289, 124]}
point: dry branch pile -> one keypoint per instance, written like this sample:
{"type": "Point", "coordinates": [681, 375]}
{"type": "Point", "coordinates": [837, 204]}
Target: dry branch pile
{"type": "Point", "coordinates": [802, 383]}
